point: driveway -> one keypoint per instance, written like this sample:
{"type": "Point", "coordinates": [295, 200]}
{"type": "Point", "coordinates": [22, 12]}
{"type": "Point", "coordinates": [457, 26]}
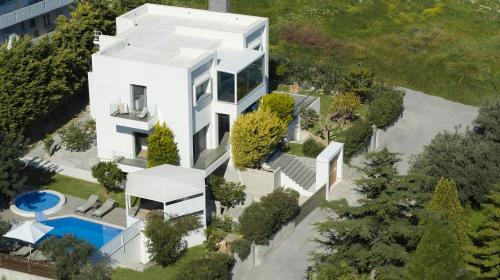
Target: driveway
{"type": "Point", "coordinates": [424, 117]}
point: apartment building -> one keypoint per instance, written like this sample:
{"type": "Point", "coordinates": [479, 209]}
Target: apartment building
{"type": "Point", "coordinates": [195, 70]}
{"type": "Point", "coordinates": [30, 17]}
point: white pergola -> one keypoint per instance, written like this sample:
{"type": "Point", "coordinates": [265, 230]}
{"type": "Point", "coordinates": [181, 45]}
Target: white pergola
{"type": "Point", "coordinates": [180, 190]}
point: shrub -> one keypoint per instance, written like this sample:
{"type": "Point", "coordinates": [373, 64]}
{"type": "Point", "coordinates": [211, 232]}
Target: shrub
{"type": "Point", "coordinates": [214, 235]}
{"type": "Point", "coordinates": [48, 141]}
{"type": "Point", "coordinates": [225, 223]}
{"type": "Point", "coordinates": [108, 174]}
{"type": "Point", "coordinates": [12, 175]}
{"type": "Point", "coordinates": [355, 137]}
{"type": "Point", "coordinates": [215, 267]}
{"type": "Point", "coordinates": [343, 107]}
{"type": "Point", "coordinates": [241, 247]}
{"type": "Point", "coordinates": [308, 35]}
{"type": "Point", "coordinates": [386, 108]}
{"type": "Point", "coordinates": [489, 119]}
{"type": "Point", "coordinates": [261, 220]}
{"type": "Point", "coordinates": [164, 243]}
{"type": "Point", "coordinates": [162, 148]}
{"type": "Point", "coordinates": [253, 137]}
{"type": "Point", "coordinates": [280, 104]}
{"type": "Point", "coordinates": [78, 137]}
{"type": "Point", "coordinates": [358, 80]}
{"type": "Point", "coordinates": [468, 159]}
{"type": "Point", "coordinates": [229, 194]}
{"type": "Point", "coordinates": [308, 118]}
{"type": "Point", "coordinates": [311, 148]}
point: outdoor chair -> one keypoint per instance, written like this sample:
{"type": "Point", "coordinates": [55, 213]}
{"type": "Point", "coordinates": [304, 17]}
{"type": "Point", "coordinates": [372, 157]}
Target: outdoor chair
{"type": "Point", "coordinates": [105, 208]}
{"type": "Point", "coordinates": [143, 113]}
{"type": "Point", "coordinates": [23, 251]}
{"type": "Point", "coordinates": [123, 109]}
{"type": "Point", "coordinates": [38, 256]}
{"type": "Point", "coordinates": [92, 202]}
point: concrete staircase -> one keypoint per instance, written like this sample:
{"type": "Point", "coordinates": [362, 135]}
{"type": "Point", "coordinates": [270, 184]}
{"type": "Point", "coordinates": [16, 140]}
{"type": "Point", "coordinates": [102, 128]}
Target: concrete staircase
{"type": "Point", "coordinates": [300, 170]}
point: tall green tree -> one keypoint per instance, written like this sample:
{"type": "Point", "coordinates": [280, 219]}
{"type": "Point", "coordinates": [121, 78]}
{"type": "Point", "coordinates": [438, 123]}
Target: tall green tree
{"type": "Point", "coordinates": [437, 256]}
{"type": "Point", "coordinates": [378, 235]}
{"type": "Point", "coordinates": [379, 170]}
{"type": "Point", "coordinates": [358, 80]}
{"type": "Point", "coordinates": [108, 174]}
{"type": "Point", "coordinates": [12, 175]}
{"type": "Point", "coordinates": [445, 202]}
{"type": "Point", "coordinates": [162, 148]}
{"type": "Point", "coordinates": [229, 194]}
{"type": "Point", "coordinates": [484, 255]}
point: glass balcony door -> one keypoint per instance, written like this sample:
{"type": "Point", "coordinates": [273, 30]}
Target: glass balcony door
{"type": "Point", "coordinates": [139, 99]}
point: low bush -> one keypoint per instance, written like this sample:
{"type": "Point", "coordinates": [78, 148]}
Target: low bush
{"type": "Point", "coordinates": [386, 108]}
{"type": "Point", "coordinates": [108, 174]}
{"type": "Point", "coordinates": [261, 220]}
{"type": "Point", "coordinates": [78, 137]}
{"type": "Point", "coordinates": [215, 267]}
{"type": "Point", "coordinates": [355, 138]}
{"type": "Point", "coordinates": [225, 223]}
{"type": "Point", "coordinates": [311, 148]}
{"type": "Point", "coordinates": [214, 235]}
{"type": "Point", "coordinates": [48, 141]}
{"type": "Point", "coordinates": [241, 247]}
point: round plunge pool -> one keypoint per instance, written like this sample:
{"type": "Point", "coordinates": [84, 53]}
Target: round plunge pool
{"type": "Point", "coordinates": [48, 202]}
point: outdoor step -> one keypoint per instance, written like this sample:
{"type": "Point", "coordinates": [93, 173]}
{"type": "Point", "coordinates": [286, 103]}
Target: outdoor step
{"type": "Point", "coordinates": [302, 179]}
{"type": "Point", "coordinates": [295, 175]}
{"type": "Point", "coordinates": [310, 184]}
{"type": "Point", "coordinates": [291, 167]}
{"type": "Point", "coordinates": [311, 177]}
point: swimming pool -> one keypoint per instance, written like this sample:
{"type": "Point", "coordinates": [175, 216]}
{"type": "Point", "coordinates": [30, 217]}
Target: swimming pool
{"type": "Point", "coordinates": [94, 233]}
{"type": "Point", "coordinates": [48, 202]}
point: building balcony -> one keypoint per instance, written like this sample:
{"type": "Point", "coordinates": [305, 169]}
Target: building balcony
{"type": "Point", "coordinates": [30, 11]}
{"type": "Point", "coordinates": [210, 159]}
{"type": "Point", "coordinates": [144, 119]}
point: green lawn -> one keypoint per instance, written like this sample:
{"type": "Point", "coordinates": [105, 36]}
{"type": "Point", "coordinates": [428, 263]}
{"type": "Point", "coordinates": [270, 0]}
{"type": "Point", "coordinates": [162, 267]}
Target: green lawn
{"type": "Point", "coordinates": [445, 48]}
{"type": "Point", "coordinates": [82, 189]}
{"type": "Point", "coordinates": [295, 149]}
{"type": "Point", "coordinates": [160, 273]}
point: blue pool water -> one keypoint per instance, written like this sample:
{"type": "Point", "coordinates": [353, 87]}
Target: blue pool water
{"type": "Point", "coordinates": [94, 233]}
{"type": "Point", "coordinates": [36, 201]}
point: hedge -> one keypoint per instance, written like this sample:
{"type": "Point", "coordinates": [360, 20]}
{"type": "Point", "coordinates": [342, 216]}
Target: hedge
{"type": "Point", "coordinates": [355, 138]}
{"type": "Point", "coordinates": [386, 108]}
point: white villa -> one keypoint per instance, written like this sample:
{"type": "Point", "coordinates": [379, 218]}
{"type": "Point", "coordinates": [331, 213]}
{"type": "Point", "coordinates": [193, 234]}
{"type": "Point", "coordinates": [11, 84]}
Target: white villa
{"type": "Point", "coordinates": [195, 70]}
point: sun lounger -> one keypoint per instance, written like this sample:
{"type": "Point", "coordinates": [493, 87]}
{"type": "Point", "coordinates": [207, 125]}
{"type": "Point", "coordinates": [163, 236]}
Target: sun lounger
{"type": "Point", "coordinates": [91, 202]}
{"type": "Point", "coordinates": [142, 114]}
{"type": "Point", "coordinates": [23, 251]}
{"type": "Point", "coordinates": [105, 208]}
{"type": "Point", "coordinates": [38, 256]}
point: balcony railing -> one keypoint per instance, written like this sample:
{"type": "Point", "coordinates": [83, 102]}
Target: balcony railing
{"type": "Point", "coordinates": [31, 11]}
{"type": "Point", "coordinates": [209, 156]}
{"type": "Point", "coordinates": [122, 110]}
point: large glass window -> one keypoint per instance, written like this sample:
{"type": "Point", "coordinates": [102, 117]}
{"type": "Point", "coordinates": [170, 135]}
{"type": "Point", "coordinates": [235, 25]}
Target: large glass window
{"type": "Point", "coordinates": [250, 78]}
{"type": "Point", "coordinates": [202, 90]}
{"type": "Point", "coordinates": [225, 87]}
{"type": "Point", "coordinates": [199, 142]}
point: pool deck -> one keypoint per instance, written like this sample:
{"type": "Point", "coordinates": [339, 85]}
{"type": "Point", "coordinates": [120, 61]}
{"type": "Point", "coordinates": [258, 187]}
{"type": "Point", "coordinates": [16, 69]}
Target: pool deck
{"type": "Point", "coordinates": [114, 217]}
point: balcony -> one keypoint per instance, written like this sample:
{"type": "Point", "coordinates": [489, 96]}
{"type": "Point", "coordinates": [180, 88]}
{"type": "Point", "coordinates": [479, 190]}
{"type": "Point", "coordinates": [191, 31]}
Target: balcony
{"type": "Point", "coordinates": [143, 120]}
{"type": "Point", "coordinates": [208, 157]}
{"type": "Point", "coordinates": [31, 11]}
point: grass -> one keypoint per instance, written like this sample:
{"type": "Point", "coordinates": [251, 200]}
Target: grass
{"type": "Point", "coordinates": [82, 189]}
{"type": "Point", "coordinates": [295, 149]}
{"type": "Point", "coordinates": [445, 48]}
{"type": "Point", "coordinates": [161, 273]}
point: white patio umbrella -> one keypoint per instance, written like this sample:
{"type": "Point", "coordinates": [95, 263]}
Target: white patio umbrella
{"type": "Point", "coordinates": [28, 231]}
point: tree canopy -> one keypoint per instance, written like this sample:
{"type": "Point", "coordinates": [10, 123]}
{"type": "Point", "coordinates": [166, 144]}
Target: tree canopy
{"type": "Point", "coordinates": [108, 174]}
{"type": "Point", "coordinates": [280, 104]}
{"type": "Point", "coordinates": [379, 234]}
{"type": "Point", "coordinates": [164, 243]}
{"type": "Point", "coordinates": [253, 136]}
{"type": "Point", "coordinates": [489, 119]}
{"type": "Point", "coordinates": [12, 175]}
{"type": "Point", "coordinates": [162, 148]}
{"type": "Point", "coordinates": [229, 194]}
{"type": "Point", "coordinates": [343, 107]}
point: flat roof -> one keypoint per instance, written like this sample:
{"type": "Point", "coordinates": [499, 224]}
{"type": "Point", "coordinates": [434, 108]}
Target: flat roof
{"type": "Point", "coordinates": [174, 36]}
{"type": "Point", "coordinates": [165, 183]}
{"type": "Point", "coordinates": [234, 60]}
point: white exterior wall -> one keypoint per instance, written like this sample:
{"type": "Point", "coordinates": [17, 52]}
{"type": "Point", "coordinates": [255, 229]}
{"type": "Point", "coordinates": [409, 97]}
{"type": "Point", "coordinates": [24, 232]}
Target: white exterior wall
{"type": "Point", "coordinates": [333, 150]}
{"type": "Point", "coordinates": [289, 183]}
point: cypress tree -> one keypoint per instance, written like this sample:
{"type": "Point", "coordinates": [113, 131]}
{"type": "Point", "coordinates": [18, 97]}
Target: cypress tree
{"type": "Point", "coordinates": [162, 148]}
{"type": "Point", "coordinates": [484, 254]}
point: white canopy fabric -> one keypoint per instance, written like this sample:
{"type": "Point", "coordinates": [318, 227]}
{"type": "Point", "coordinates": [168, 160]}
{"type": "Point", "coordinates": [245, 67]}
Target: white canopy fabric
{"type": "Point", "coordinates": [165, 183]}
{"type": "Point", "coordinates": [28, 231]}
